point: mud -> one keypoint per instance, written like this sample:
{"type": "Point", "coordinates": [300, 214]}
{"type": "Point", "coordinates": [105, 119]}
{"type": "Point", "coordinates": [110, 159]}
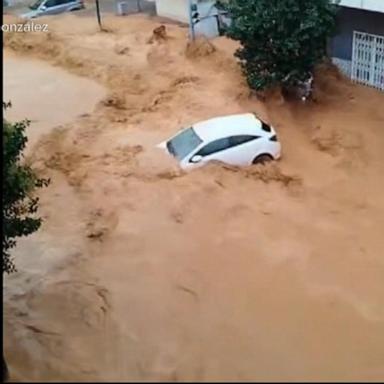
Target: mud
{"type": "Point", "coordinates": [143, 272]}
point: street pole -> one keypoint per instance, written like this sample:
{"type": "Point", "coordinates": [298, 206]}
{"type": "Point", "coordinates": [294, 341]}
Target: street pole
{"type": "Point", "coordinates": [98, 14]}
{"type": "Point", "coordinates": [191, 25]}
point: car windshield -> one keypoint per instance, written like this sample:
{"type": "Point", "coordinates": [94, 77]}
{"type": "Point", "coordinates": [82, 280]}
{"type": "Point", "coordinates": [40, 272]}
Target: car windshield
{"type": "Point", "coordinates": [184, 143]}
{"type": "Point", "coordinates": [36, 4]}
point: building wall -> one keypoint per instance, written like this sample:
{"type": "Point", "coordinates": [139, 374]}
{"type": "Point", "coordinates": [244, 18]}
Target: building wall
{"type": "Point", "coordinates": [173, 9]}
{"type": "Point", "coordinates": [350, 20]}
{"type": "Point", "coordinates": [369, 5]}
{"type": "Point", "coordinates": [178, 10]}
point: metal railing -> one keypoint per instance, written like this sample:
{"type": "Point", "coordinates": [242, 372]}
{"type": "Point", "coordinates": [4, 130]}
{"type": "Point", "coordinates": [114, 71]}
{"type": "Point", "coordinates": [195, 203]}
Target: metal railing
{"type": "Point", "coordinates": [368, 59]}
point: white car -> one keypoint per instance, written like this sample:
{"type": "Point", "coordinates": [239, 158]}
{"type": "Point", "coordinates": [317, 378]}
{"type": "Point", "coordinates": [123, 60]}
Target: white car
{"type": "Point", "coordinates": [239, 140]}
{"type": "Point", "coordinates": [52, 7]}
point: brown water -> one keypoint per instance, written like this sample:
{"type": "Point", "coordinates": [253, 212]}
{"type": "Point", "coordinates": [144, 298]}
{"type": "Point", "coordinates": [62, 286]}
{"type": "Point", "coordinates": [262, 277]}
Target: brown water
{"type": "Point", "coordinates": [46, 95]}
{"type": "Point", "coordinates": [143, 273]}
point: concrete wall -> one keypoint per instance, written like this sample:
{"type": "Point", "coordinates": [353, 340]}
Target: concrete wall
{"type": "Point", "coordinates": [173, 9]}
{"type": "Point", "coordinates": [369, 5]}
{"type": "Point", "coordinates": [178, 10]}
{"type": "Point", "coordinates": [350, 20]}
{"type": "Point", "coordinates": [208, 26]}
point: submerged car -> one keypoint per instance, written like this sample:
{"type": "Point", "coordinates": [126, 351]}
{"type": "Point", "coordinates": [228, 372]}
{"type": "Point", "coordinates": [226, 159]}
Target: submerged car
{"type": "Point", "coordinates": [239, 140]}
{"type": "Point", "coordinates": [52, 7]}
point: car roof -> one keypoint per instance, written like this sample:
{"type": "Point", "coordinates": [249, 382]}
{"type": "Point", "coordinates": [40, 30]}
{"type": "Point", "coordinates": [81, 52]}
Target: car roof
{"type": "Point", "coordinates": [233, 125]}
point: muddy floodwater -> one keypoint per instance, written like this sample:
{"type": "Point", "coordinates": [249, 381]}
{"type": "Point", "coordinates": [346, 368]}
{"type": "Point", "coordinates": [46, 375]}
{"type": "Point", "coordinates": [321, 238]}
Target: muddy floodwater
{"type": "Point", "coordinates": [143, 273]}
{"type": "Point", "coordinates": [46, 95]}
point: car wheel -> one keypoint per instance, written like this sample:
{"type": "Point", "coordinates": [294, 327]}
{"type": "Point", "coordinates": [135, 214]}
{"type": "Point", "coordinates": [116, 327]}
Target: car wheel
{"type": "Point", "coordinates": [262, 159]}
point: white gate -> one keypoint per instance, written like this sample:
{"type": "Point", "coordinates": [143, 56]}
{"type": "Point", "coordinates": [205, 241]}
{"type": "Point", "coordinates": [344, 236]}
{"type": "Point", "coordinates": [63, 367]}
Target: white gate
{"type": "Point", "coordinates": [368, 59]}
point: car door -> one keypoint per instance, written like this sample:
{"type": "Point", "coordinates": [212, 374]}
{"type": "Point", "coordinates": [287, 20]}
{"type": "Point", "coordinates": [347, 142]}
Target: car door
{"type": "Point", "coordinates": [69, 5]}
{"type": "Point", "coordinates": [243, 149]}
{"type": "Point", "coordinates": [205, 153]}
{"type": "Point", "coordinates": [48, 7]}
{"type": "Point", "coordinates": [53, 7]}
{"type": "Point", "coordinates": [64, 5]}
{"type": "Point", "coordinates": [236, 150]}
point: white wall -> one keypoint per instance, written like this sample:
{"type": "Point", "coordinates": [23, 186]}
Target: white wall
{"type": "Point", "coordinates": [173, 9]}
{"type": "Point", "coordinates": [369, 5]}
{"type": "Point", "coordinates": [178, 10]}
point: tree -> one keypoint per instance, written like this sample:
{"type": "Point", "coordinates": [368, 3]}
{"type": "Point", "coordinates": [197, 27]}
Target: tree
{"type": "Point", "coordinates": [281, 40]}
{"type": "Point", "coordinates": [19, 184]}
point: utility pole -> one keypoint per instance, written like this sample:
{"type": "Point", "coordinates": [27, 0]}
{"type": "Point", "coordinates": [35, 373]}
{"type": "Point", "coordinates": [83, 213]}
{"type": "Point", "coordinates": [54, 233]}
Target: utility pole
{"type": "Point", "coordinates": [191, 8]}
{"type": "Point", "coordinates": [98, 14]}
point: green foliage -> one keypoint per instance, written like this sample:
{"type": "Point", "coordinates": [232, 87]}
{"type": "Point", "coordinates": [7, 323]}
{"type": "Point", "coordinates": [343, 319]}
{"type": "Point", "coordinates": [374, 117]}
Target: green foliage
{"type": "Point", "coordinates": [282, 40]}
{"type": "Point", "coordinates": [19, 184]}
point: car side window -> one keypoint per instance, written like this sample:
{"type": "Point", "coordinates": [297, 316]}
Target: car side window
{"type": "Point", "coordinates": [214, 146]}
{"type": "Point", "coordinates": [265, 127]}
{"type": "Point", "coordinates": [241, 139]}
{"type": "Point", "coordinates": [51, 3]}
{"type": "Point", "coordinates": [62, 2]}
